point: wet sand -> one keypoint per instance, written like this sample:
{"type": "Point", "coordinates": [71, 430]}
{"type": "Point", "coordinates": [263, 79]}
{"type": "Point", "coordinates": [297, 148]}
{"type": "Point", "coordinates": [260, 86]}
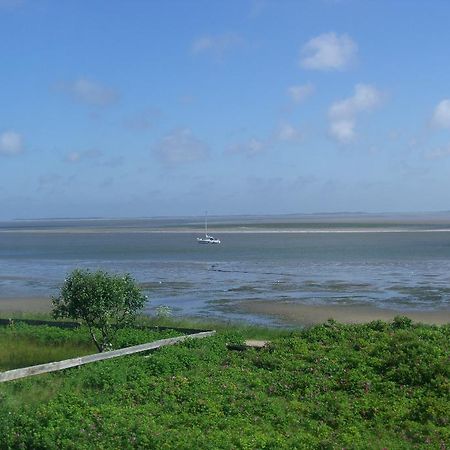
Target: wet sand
{"type": "Point", "coordinates": [288, 313]}
{"type": "Point", "coordinates": [301, 314]}
{"type": "Point", "coordinates": [25, 304]}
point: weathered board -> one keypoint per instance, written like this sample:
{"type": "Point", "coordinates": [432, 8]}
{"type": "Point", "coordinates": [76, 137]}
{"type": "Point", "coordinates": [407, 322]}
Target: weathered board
{"type": "Point", "coordinates": [74, 362]}
{"type": "Point", "coordinates": [250, 343]}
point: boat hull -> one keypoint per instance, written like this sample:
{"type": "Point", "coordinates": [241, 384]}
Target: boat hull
{"type": "Point", "coordinates": [208, 241]}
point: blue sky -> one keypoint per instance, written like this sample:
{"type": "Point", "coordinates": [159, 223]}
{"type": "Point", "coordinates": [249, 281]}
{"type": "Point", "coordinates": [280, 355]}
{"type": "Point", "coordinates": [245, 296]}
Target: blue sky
{"type": "Point", "coordinates": [148, 108]}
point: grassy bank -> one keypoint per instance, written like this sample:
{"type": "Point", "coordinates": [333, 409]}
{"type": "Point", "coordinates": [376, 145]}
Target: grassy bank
{"type": "Point", "coordinates": [331, 386]}
{"type": "Point", "coordinates": [23, 345]}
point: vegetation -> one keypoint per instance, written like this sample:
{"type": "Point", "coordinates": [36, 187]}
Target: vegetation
{"type": "Point", "coordinates": [104, 302]}
{"type": "Point", "coordinates": [332, 386]}
{"type": "Point", "coordinates": [23, 345]}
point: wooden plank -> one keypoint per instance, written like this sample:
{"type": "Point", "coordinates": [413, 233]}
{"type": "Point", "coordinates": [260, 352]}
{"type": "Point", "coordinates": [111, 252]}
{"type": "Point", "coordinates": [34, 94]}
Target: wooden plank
{"type": "Point", "coordinates": [250, 343]}
{"type": "Point", "coordinates": [256, 343]}
{"type": "Point", "coordinates": [74, 362]}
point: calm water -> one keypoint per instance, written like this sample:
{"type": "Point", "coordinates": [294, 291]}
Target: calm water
{"type": "Point", "coordinates": [406, 270]}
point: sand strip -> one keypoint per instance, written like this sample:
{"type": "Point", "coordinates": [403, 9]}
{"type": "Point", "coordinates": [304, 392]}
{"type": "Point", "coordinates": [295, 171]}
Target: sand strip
{"type": "Point", "coordinates": [301, 314]}
{"type": "Point", "coordinates": [25, 304]}
{"type": "Point", "coordinates": [289, 313]}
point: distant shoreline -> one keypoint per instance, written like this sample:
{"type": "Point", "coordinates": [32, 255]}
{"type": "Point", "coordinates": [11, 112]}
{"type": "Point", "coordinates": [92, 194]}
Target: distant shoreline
{"type": "Point", "coordinates": [320, 223]}
{"type": "Point", "coordinates": [221, 231]}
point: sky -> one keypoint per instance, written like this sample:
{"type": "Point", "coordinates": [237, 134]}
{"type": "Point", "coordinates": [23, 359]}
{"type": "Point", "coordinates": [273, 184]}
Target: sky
{"type": "Point", "coordinates": [136, 108]}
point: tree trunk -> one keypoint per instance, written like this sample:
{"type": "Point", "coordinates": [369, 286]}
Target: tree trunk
{"type": "Point", "coordinates": [94, 338]}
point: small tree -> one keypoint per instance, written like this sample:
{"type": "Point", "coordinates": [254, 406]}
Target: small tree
{"type": "Point", "coordinates": [102, 301]}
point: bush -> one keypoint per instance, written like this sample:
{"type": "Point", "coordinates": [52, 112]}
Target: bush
{"type": "Point", "coordinates": [103, 302]}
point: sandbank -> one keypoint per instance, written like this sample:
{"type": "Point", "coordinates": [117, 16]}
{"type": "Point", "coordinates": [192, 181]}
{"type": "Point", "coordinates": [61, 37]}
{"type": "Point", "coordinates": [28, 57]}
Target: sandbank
{"type": "Point", "coordinates": [304, 314]}
{"type": "Point", "coordinates": [288, 313]}
{"type": "Point", "coordinates": [25, 304]}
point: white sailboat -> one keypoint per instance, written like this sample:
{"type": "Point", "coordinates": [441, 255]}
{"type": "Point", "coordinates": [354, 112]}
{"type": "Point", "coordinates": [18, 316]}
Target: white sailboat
{"type": "Point", "coordinates": [207, 239]}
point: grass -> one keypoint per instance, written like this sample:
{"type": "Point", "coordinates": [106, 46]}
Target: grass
{"type": "Point", "coordinates": [246, 330]}
{"type": "Point", "coordinates": [16, 353]}
{"type": "Point", "coordinates": [334, 386]}
{"type": "Point", "coordinates": [23, 345]}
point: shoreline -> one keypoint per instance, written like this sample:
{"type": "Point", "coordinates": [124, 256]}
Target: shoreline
{"type": "Point", "coordinates": [305, 315]}
{"type": "Point", "coordinates": [228, 230]}
{"type": "Point", "coordinates": [25, 304]}
{"type": "Point", "coordinates": [286, 313]}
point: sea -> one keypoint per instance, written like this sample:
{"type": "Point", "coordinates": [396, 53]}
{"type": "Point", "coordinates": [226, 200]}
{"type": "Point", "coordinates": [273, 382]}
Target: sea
{"type": "Point", "coordinates": [396, 262]}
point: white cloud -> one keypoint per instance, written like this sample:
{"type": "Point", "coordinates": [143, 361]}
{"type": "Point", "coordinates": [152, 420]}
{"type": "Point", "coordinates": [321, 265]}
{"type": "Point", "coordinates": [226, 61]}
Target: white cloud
{"type": "Point", "coordinates": [11, 143]}
{"type": "Point", "coordinates": [217, 45]}
{"type": "Point", "coordinates": [343, 114]}
{"type": "Point", "coordinates": [328, 51]}
{"type": "Point", "coordinates": [252, 147]}
{"type": "Point", "coordinates": [179, 147]}
{"type": "Point", "coordinates": [78, 156]}
{"type": "Point", "coordinates": [365, 98]}
{"type": "Point", "coordinates": [441, 116]}
{"type": "Point", "coordinates": [438, 153]}
{"type": "Point", "coordinates": [300, 92]}
{"type": "Point", "coordinates": [288, 133]}
{"type": "Point", "coordinates": [343, 130]}
{"type": "Point", "coordinates": [90, 92]}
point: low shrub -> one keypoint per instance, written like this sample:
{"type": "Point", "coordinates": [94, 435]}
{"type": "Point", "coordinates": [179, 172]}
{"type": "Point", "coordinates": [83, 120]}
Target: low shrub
{"type": "Point", "coordinates": [331, 386]}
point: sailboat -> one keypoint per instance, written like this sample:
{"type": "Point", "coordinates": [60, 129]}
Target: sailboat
{"type": "Point", "coordinates": [207, 239]}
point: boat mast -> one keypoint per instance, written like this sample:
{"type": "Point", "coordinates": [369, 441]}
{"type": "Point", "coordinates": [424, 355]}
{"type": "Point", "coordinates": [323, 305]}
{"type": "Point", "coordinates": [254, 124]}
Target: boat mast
{"type": "Point", "coordinates": [206, 223]}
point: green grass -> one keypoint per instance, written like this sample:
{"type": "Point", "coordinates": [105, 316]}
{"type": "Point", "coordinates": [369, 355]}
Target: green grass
{"type": "Point", "coordinates": [16, 353]}
{"type": "Point", "coordinates": [332, 386]}
{"type": "Point", "coordinates": [23, 345]}
{"type": "Point", "coordinates": [246, 330]}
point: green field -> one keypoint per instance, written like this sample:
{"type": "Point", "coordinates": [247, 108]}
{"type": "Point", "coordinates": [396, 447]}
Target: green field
{"type": "Point", "coordinates": [331, 386]}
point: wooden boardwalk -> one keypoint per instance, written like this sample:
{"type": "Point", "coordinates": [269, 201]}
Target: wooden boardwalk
{"type": "Point", "coordinates": [74, 362]}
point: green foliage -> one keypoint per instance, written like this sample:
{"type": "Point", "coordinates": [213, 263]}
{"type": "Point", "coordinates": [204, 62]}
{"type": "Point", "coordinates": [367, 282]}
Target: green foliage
{"type": "Point", "coordinates": [23, 345]}
{"type": "Point", "coordinates": [102, 301]}
{"type": "Point", "coordinates": [328, 387]}
{"type": "Point", "coordinates": [163, 311]}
